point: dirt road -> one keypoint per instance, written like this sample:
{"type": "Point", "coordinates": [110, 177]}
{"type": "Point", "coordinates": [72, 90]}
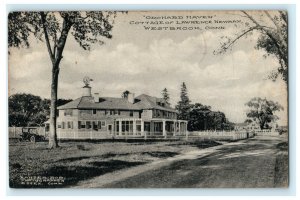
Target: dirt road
{"type": "Point", "coordinates": [248, 163]}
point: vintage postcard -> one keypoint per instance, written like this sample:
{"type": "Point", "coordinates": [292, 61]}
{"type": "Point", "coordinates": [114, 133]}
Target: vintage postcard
{"type": "Point", "coordinates": [148, 99]}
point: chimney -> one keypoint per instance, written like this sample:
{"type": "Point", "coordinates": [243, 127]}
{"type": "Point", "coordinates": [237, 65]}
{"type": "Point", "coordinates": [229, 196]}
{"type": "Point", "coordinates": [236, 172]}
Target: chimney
{"type": "Point", "coordinates": [130, 97]}
{"type": "Point", "coordinates": [96, 97]}
{"type": "Point", "coordinates": [87, 91]}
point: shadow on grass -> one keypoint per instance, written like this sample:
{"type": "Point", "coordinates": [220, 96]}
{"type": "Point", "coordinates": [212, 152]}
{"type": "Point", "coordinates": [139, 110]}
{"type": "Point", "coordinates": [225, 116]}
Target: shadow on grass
{"type": "Point", "coordinates": [283, 146]}
{"type": "Point", "coordinates": [159, 154]}
{"type": "Point", "coordinates": [74, 174]}
{"type": "Point", "coordinates": [105, 156]}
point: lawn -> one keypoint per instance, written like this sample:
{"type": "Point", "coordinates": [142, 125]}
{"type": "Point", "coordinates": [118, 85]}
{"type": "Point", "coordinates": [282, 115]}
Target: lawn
{"type": "Point", "coordinates": [33, 165]}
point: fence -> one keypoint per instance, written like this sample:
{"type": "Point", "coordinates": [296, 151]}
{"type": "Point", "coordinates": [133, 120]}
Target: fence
{"type": "Point", "coordinates": [266, 132]}
{"type": "Point", "coordinates": [220, 135]}
{"type": "Point", "coordinates": [15, 132]}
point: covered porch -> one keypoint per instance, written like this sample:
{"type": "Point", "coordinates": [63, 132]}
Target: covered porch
{"type": "Point", "coordinates": [133, 127]}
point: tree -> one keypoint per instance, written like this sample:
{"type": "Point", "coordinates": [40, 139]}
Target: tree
{"type": "Point", "coordinates": [125, 94]}
{"type": "Point", "coordinates": [183, 106]}
{"type": "Point", "coordinates": [273, 29]}
{"type": "Point", "coordinates": [166, 96]}
{"type": "Point", "coordinates": [201, 117]}
{"type": "Point", "coordinates": [30, 110]}
{"type": "Point", "coordinates": [27, 110]}
{"type": "Point", "coordinates": [54, 28]}
{"type": "Point", "coordinates": [262, 111]}
{"type": "Point", "coordinates": [198, 117]}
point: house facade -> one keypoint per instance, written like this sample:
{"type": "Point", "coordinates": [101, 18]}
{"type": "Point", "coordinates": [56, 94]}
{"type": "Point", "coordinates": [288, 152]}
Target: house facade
{"type": "Point", "coordinates": [252, 126]}
{"type": "Point", "coordinates": [96, 117]}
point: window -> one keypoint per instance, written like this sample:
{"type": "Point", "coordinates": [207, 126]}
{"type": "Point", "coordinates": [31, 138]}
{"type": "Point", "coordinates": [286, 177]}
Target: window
{"type": "Point", "coordinates": [99, 125]}
{"type": "Point", "coordinates": [130, 126]}
{"type": "Point", "coordinates": [111, 112]}
{"type": "Point", "coordinates": [158, 113]}
{"type": "Point", "coordinates": [117, 126]}
{"type": "Point", "coordinates": [81, 124]}
{"type": "Point", "coordinates": [106, 112]}
{"type": "Point", "coordinates": [70, 125]}
{"type": "Point", "coordinates": [63, 125]}
{"type": "Point", "coordinates": [147, 126]}
{"type": "Point", "coordinates": [95, 126]}
{"type": "Point", "coordinates": [138, 126]}
{"type": "Point", "coordinates": [88, 125]}
{"type": "Point", "coordinates": [86, 112]}
{"type": "Point", "coordinates": [131, 113]}
{"type": "Point", "coordinates": [58, 125]}
{"type": "Point", "coordinates": [116, 112]}
{"type": "Point", "coordinates": [68, 112]}
{"type": "Point", "coordinates": [94, 111]}
{"type": "Point", "coordinates": [123, 126]}
{"type": "Point", "coordinates": [119, 112]}
{"type": "Point", "coordinates": [103, 123]}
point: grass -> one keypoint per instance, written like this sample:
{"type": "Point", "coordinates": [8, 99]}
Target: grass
{"type": "Point", "coordinates": [282, 165]}
{"type": "Point", "coordinates": [33, 165]}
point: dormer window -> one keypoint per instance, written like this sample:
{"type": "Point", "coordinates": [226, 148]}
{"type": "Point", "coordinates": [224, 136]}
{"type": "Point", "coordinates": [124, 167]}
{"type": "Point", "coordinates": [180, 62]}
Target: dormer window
{"type": "Point", "coordinates": [101, 100]}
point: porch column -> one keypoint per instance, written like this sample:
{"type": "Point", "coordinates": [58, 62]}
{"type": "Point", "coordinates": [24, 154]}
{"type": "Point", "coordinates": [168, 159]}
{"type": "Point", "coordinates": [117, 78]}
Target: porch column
{"type": "Point", "coordinates": [151, 128]}
{"type": "Point", "coordinates": [174, 128]}
{"type": "Point", "coordinates": [120, 127]}
{"type": "Point", "coordinates": [142, 127]}
{"type": "Point", "coordinates": [134, 127]}
{"type": "Point", "coordinates": [164, 128]}
{"type": "Point", "coordinates": [185, 130]}
{"type": "Point", "coordinates": [179, 129]}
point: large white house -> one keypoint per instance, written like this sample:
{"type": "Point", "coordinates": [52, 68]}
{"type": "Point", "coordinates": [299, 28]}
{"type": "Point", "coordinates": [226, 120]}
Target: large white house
{"type": "Point", "coordinates": [99, 117]}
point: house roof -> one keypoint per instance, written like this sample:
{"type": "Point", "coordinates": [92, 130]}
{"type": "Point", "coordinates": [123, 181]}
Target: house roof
{"type": "Point", "coordinates": [141, 102]}
{"type": "Point", "coordinates": [149, 102]}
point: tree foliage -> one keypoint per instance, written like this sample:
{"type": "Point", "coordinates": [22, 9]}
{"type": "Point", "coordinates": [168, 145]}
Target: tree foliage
{"type": "Point", "coordinates": [183, 106]}
{"type": "Point", "coordinates": [166, 96]}
{"type": "Point", "coordinates": [201, 117]}
{"type": "Point", "coordinates": [53, 28]}
{"type": "Point", "coordinates": [262, 111]}
{"type": "Point", "coordinates": [273, 29]}
{"type": "Point", "coordinates": [29, 110]}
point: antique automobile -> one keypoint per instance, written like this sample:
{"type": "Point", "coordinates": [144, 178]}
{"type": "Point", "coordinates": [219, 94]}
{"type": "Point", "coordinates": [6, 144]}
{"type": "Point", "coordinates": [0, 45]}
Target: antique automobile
{"type": "Point", "coordinates": [31, 134]}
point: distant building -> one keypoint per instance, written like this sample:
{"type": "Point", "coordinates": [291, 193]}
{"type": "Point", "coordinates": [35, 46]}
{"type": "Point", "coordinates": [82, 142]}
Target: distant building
{"type": "Point", "coordinates": [98, 117]}
{"type": "Point", "coordinates": [253, 126]}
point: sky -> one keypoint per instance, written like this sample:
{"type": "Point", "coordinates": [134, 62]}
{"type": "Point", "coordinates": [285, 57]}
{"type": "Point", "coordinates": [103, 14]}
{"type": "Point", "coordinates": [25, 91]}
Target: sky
{"type": "Point", "coordinates": [147, 61]}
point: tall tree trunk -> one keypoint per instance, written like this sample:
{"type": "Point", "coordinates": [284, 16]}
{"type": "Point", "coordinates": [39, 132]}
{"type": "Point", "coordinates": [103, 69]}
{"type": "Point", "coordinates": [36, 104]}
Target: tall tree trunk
{"type": "Point", "coordinates": [53, 143]}
{"type": "Point", "coordinates": [56, 57]}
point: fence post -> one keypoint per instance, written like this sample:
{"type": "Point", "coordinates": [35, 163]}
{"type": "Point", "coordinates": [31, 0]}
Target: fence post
{"type": "Point", "coordinates": [186, 136]}
{"type": "Point", "coordinates": [15, 132]}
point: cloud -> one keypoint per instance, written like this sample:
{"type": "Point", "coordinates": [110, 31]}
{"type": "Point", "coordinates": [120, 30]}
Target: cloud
{"type": "Point", "coordinates": [225, 82]}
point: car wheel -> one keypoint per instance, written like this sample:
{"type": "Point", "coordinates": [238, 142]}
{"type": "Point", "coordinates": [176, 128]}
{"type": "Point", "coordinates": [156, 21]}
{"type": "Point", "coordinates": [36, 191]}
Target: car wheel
{"type": "Point", "coordinates": [32, 139]}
